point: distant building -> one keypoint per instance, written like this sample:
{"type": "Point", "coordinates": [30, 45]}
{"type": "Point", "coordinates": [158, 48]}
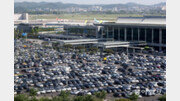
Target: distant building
{"type": "Point", "coordinates": [21, 18]}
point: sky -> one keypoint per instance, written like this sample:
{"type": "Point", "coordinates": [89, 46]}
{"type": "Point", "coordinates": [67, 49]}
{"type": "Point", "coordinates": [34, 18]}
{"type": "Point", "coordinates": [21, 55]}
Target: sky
{"type": "Point", "coordinates": [146, 2]}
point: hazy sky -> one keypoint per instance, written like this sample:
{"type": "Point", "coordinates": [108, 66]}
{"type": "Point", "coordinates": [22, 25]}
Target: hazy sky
{"type": "Point", "coordinates": [147, 2]}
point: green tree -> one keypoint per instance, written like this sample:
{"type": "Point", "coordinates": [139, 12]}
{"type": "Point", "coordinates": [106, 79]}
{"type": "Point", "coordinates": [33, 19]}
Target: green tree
{"type": "Point", "coordinates": [133, 97]}
{"type": "Point", "coordinates": [16, 36]}
{"type": "Point", "coordinates": [32, 31]}
{"type": "Point", "coordinates": [78, 98]}
{"type": "Point", "coordinates": [80, 48]}
{"type": "Point", "coordinates": [123, 100]}
{"type": "Point", "coordinates": [21, 97]}
{"type": "Point", "coordinates": [67, 47]}
{"type": "Point", "coordinates": [18, 33]}
{"type": "Point", "coordinates": [55, 45]}
{"type": "Point", "coordinates": [84, 98]}
{"type": "Point", "coordinates": [93, 50]}
{"type": "Point", "coordinates": [34, 99]}
{"type": "Point", "coordinates": [36, 30]}
{"type": "Point", "coordinates": [33, 92]}
{"type": "Point", "coordinates": [109, 51]}
{"type": "Point", "coordinates": [101, 95]}
{"type": "Point", "coordinates": [162, 98]}
{"type": "Point", "coordinates": [21, 31]}
{"type": "Point", "coordinates": [45, 99]}
{"type": "Point", "coordinates": [89, 98]}
{"type": "Point", "coordinates": [63, 96]}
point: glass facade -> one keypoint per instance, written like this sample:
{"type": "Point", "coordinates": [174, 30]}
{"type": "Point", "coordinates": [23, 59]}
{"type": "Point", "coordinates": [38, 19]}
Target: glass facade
{"type": "Point", "coordinates": [156, 36]}
{"type": "Point", "coordinates": [135, 34]}
{"type": "Point", "coordinates": [129, 34]}
{"type": "Point", "coordinates": [110, 32]}
{"type": "Point", "coordinates": [105, 32]}
{"type": "Point", "coordinates": [149, 35]}
{"type": "Point", "coordinates": [116, 34]}
{"type": "Point", "coordinates": [142, 34]}
{"type": "Point", "coordinates": [122, 34]}
{"type": "Point", "coordinates": [163, 36]}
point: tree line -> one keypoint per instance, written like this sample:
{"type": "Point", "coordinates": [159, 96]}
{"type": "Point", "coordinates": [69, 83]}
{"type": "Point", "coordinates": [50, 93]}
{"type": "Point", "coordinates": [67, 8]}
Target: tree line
{"type": "Point", "coordinates": [66, 96]}
{"type": "Point", "coordinates": [32, 34]}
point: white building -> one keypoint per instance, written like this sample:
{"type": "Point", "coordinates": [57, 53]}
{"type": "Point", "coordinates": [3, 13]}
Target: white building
{"type": "Point", "coordinates": [21, 18]}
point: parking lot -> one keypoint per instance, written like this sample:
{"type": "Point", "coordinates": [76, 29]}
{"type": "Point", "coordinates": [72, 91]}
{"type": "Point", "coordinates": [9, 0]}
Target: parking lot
{"type": "Point", "coordinates": [51, 72]}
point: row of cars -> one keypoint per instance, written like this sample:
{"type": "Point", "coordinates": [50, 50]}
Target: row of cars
{"type": "Point", "coordinates": [51, 71]}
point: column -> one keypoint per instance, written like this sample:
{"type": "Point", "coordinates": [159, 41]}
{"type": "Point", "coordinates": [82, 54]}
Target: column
{"type": "Point", "coordinates": [102, 32]}
{"type": "Point", "coordinates": [125, 34]}
{"type": "Point", "coordinates": [67, 30]}
{"type": "Point", "coordinates": [107, 32]}
{"type": "Point", "coordinates": [152, 35]}
{"type": "Point", "coordinates": [118, 34]}
{"type": "Point", "coordinates": [138, 34]}
{"type": "Point", "coordinates": [132, 32]}
{"type": "Point", "coordinates": [160, 48]}
{"type": "Point", "coordinates": [134, 50]}
{"type": "Point", "coordinates": [97, 32]}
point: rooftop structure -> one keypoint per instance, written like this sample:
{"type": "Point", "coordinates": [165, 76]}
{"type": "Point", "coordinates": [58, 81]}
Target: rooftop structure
{"type": "Point", "coordinates": [150, 21]}
{"type": "Point", "coordinates": [160, 20]}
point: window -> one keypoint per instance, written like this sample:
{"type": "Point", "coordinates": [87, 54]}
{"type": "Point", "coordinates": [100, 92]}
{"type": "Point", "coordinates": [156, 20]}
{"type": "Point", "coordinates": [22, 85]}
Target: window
{"type": "Point", "coordinates": [164, 36]}
{"type": "Point", "coordinates": [135, 34]}
{"type": "Point", "coordinates": [156, 36]}
{"type": "Point", "coordinates": [142, 34]}
{"type": "Point", "coordinates": [149, 35]}
{"type": "Point", "coordinates": [122, 34]}
{"type": "Point", "coordinates": [116, 34]}
{"type": "Point", "coordinates": [129, 34]}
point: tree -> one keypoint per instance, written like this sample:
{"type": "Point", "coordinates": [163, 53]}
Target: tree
{"type": "Point", "coordinates": [45, 99]}
{"type": "Point", "coordinates": [33, 92]}
{"type": "Point", "coordinates": [122, 100]}
{"type": "Point", "coordinates": [109, 51]}
{"type": "Point", "coordinates": [21, 97]}
{"type": "Point", "coordinates": [67, 47]}
{"type": "Point", "coordinates": [55, 45]}
{"type": "Point", "coordinates": [88, 98]}
{"type": "Point", "coordinates": [80, 48]}
{"type": "Point", "coordinates": [93, 50]}
{"type": "Point", "coordinates": [84, 98]}
{"type": "Point", "coordinates": [162, 98]}
{"type": "Point", "coordinates": [78, 98]}
{"type": "Point", "coordinates": [34, 99]}
{"type": "Point", "coordinates": [32, 30]}
{"type": "Point", "coordinates": [101, 95]}
{"type": "Point", "coordinates": [133, 97]}
{"type": "Point", "coordinates": [63, 96]}
{"type": "Point", "coordinates": [16, 36]}
{"type": "Point", "coordinates": [21, 31]}
{"type": "Point", "coordinates": [36, 30]}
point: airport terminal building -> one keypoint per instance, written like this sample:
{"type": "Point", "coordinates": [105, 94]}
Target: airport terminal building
{"type": "Point", "coordinates": [150, 29]}
{"type": "Point", "coordinates": [126, 32]}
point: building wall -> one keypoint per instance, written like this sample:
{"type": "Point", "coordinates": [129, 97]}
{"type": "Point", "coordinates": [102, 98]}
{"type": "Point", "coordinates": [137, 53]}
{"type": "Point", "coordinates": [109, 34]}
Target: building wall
{"type": "Point", "coordinates": [154, 36]}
